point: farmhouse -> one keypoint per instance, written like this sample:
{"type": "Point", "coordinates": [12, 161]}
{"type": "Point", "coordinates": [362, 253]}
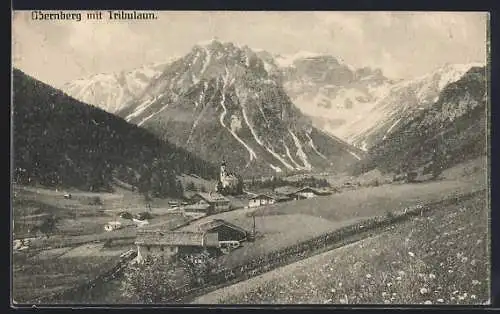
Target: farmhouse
{"type": "Point", "coordinates": [260, 200]}
{"type": "Point", "coordinates": [229, 235]}
{"type": "Point", "coordinates": [217, 203]}
{"type": "Point", "coordinates": [266, 199]}
{"type": "Point", "coordinates": [167, 244]}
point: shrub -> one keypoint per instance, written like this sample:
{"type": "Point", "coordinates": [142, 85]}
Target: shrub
{"type": "Point", "coordinates": [144, 216]}
{"type": "Point", "coordinates": [389, 214]}
{"type": "Point", "coordinates": [95, 200]}
{"type": "Point", "coordinates": [151, 282]}
{"type": "Point", "coordinates": [126, 215]}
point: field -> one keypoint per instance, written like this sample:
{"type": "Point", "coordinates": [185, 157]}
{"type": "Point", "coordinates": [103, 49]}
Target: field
{"type": "Point", "coordinates": [440, 258]}
{"type": "Point", "coordinates": [371, 201]}
{"type": "Point", "coordinates": [76, 253]}
{"type": "Point", "coordinates": [51, 273]}
{"type": "Point", "coordinates": [284, 224]}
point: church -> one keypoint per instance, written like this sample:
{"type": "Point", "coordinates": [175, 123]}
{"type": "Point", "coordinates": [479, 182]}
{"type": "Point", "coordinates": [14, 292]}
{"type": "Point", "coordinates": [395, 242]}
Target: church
{"type": "Point", "coordinates": [227, 181]}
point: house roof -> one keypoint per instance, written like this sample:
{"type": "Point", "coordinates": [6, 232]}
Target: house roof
{"type": "Point", "coordinates": [278, 196]}
{"type": "Point", "coordinates": [315, 191]}
{"type": "Point", "coordinates": [285, 190]}
{"type": "Point", "coordinates": [211, 197]}
{"type": "Point", "coordinates": [178, 238]}
{"type": "Point", "coordinates": [174, 222]}
{"type": "Point", "coordinates": [261, 196]}
{"type": "Point", "coordinates": [196, 207]}
{"type": "Point", "coordinates": [214, 223]}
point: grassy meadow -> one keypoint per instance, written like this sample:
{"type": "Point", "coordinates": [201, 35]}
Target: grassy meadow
{"type": "Point", "coordinates": [440, 258]}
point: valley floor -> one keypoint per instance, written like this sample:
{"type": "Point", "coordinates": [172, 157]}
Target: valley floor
{"type": "Point", "coordinates": [71, 257]}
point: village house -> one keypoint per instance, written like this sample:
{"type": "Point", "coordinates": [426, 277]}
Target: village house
{"type": "Point", "coordinates": [260, 200]}
{"type": "Point", "coordinates": [267, 199]}
{"type": "Point", "coordinates": [118, 224]}
{"type": "Point", "coordinates": [216, 202]}
{"type": "Point", "coordinates": [286, 190]}
{"type": "Point", "coordinates": [167, 244]}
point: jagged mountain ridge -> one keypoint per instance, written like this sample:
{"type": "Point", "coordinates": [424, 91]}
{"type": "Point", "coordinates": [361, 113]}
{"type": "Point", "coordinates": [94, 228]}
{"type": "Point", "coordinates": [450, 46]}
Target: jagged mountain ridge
{"type": "Point", "coordinates": [111, 91]}
{"type": "Point", "coordinates": [62, 142]}
{"type": "Point", "coordinates": [220, 101]}
{"type": "Point", "coordinates": [453, 127]}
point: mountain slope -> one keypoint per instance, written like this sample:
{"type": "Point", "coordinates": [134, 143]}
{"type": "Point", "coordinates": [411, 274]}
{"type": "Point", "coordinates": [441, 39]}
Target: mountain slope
{"type": "Point", "coordinates": [222, 101]}
{"type": "Point", "coordinates": [111, 91]}
{"type": "Point", "coordinates": [400, 103]}
{"type": "Point", "coordinates": [59, 141]}
{"type": "Point", "coordinates": [450, 130]}
{"type": "Point", "coordinates": [360, 106]}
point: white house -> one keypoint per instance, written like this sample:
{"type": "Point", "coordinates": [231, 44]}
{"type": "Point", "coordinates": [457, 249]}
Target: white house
{"type": "Point", "coordinates": [260, 200]}
{"type": "Point", "coordinates": [118, 224]}
{"type": "Point", "coordinates": [113, 225]}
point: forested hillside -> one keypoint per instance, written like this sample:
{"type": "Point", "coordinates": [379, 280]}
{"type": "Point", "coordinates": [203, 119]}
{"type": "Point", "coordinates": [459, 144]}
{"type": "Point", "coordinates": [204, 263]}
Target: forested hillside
{"type": "Point", "coordinates": [62, 142]}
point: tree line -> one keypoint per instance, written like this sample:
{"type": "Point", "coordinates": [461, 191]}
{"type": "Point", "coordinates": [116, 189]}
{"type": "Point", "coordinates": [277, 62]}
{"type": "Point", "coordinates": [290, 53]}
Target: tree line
{"type": "Point", "coordinates": [276, 182]}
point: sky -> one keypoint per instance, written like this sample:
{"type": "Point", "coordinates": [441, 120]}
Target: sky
{"type": "Point", "coordinates": [402, 44]}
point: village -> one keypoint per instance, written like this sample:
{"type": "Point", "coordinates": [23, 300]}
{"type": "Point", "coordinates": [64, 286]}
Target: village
{"type": "Point", "coordinates": [242, 227]}
{"type": "Point", "coordinates": [205, 231]}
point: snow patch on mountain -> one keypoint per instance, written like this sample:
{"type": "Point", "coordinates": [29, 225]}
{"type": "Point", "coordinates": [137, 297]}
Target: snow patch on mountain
{"type": "Point", "coordinates": [275, 168]}
{"type": "Point", "coordinates": [289, 155]}
{"type": "Point", "coordinates": [311, 143]}
{"type": "Point", "coordinates": [226, 83]}
{"type": "Point", "coordinates": [354, 154]}
{"type": "Point", "coordinates": [152, 115]}
{"type": "Point", "coordinates": [390, 128]}
{"type": "Point", "coordinates": [300, 151]}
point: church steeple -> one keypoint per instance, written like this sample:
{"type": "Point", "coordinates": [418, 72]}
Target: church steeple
{"type": "Point", "coordinates": [223, 171]}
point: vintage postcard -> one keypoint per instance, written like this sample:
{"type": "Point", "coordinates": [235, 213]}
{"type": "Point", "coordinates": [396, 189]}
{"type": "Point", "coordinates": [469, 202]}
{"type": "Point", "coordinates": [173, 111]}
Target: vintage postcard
{"type": "Point", "coordinates": [266, 157]}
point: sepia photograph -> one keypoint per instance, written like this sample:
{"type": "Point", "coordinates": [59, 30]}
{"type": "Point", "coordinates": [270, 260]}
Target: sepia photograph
{"type": "Point", "coordinates": [250, 157]}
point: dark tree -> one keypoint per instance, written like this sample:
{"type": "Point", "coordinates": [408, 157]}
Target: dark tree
{"type": "Point", "coordinates": [239, 186]}
{"type": "Point", "coordinates": [190, 186]}
{"type": "Point", "coordinates": [49, 225]}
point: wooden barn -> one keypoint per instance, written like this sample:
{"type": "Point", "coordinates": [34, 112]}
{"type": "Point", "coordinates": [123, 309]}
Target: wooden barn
{"type": "Point", "coordinates": [226, 231]}
{"type": "Point", "coordinates": [216, 202]}
{"type": "Point", "coordinates": [308, 192]}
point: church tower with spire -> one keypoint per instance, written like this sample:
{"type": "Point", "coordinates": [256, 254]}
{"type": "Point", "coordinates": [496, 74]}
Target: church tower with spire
{"type": "Point", "coordinates": [227, 180]}
{"type": "Point", "coordinates": [223, 173]}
